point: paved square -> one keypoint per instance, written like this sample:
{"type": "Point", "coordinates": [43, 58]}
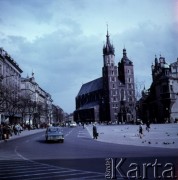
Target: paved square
{"type": "Point", "coordinates": [160, 135]}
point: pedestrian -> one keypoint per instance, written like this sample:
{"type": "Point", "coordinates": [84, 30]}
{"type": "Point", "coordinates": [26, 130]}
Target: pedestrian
{"type": "Point", "coordinates": [14, 129]}
{"type": "Point", "coordinates": [95, 133]}
{"type": "Point", "coordinates": [1, 132]}
{"type": "Point", "coordinates": [5, 133]}
{"type": "Point", "coordinates": [17, 127]}
{"type": "Point", "coordinates": [140, 130]}
{"type": "Point", "coordinates": [148, 126]}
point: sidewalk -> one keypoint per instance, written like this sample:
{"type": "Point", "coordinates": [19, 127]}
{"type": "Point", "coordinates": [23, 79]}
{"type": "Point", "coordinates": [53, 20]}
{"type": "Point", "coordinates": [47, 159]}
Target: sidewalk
{"type": "Point", "coordinates": [160, 135]}
{"type": "Point", "coordinates": [24, 133]}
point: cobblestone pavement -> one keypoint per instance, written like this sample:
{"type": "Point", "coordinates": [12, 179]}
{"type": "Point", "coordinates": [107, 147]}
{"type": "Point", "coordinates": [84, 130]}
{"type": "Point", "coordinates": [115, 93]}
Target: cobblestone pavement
{"type": "Point", "coordinates": [160, 135]}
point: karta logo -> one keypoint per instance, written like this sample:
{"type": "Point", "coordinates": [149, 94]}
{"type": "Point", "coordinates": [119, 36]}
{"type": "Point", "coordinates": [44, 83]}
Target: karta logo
{"type": "Point", "coordinates": [118, 168]}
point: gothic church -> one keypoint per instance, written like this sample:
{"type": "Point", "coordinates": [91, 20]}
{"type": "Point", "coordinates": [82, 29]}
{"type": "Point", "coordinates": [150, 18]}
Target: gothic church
{"type": "Point", "coordinates": [110, 98]}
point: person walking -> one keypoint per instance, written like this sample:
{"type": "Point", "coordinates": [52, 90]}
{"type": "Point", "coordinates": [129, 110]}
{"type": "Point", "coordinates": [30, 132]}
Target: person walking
{"type": "Point", "coordinates": [83, 124]}
{"type": "Point", "coordinates": [1, 132]}
{"type": "Point", "coordinates": [17, 127]}
{"type": "Point", "coordinates": [95, 133]}
{"type": "Point", "coordinates": [140, 130]}
{"type": "Point", "coordinates": [5, 132]}
{"type": "Point", "coordinates": [148, 126]}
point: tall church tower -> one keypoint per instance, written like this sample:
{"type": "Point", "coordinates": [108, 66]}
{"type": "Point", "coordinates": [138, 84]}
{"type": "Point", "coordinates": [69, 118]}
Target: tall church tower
{"type": "Point", "coordinates": [110, 82]}
{"type": "Point", "coordinates": [127, 99]}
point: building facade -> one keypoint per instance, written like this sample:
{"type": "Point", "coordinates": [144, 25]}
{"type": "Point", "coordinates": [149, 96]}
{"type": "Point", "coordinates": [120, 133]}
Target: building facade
{"type": "Point", "coordinates": [22, 100]}
{"type": "Point", "coordinates": [39, 109]}
{"type": "Point", "coordinates": [10, 79]}
{"type": "Point", "coordinates": [110, 98]}
{"type": "Point", "coordinates": [159, 103]}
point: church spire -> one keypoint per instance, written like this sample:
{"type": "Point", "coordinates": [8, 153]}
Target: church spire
{"type": "Point", "coordinates": [108, 47]}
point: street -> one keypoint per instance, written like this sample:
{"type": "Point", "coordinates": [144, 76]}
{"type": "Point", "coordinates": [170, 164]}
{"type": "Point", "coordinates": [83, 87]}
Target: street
{"type": "Point", "coordinates": [79, 157]}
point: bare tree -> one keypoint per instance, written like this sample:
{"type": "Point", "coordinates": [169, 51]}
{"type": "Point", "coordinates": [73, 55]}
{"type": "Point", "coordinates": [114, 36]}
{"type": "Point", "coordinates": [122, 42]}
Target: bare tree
{"type": "Point", "coordinates": [11, 102]}
{"type": "Point", "coordinates": [2, 95]}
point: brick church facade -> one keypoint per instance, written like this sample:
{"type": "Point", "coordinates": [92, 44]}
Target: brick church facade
{"type": "Point", "coordinates": [110, 98]}
{"type": "Point", "coordinates": [159, 103]}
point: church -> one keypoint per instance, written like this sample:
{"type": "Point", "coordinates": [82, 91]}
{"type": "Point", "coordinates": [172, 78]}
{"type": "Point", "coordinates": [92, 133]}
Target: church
{"type": "Point", "coordinates": [110, 98]}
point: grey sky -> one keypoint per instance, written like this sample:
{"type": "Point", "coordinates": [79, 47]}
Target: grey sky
{"type": "Point", "coordinates": [62, 40]}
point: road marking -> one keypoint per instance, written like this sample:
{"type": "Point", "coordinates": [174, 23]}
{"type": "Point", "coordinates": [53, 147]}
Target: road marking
{"type": "Point", "coordinates": [36, 170]}
{"type": "Point", "coordinates": [69, 132]}
{"type": "Point", "coordinates": [19, 155]}
{"type": "Point", "coordinates": [82, 134]}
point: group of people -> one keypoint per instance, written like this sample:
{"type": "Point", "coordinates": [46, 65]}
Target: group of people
{"type": "Point", "coordinates": [6, 131]}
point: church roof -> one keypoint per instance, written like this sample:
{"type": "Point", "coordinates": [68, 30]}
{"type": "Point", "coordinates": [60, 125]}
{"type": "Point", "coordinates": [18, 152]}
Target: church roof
{"type": "Point", "coordinates": [91, 86]}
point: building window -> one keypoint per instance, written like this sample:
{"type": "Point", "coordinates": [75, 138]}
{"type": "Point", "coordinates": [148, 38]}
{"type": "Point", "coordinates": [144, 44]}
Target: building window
{"type": "Point", "coordinates": [164, 88]}
{"type": "Point", "coordinates": [130, 92]}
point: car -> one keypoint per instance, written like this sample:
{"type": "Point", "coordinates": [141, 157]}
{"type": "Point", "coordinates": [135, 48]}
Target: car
{"type": "Point", "coordinates": [54, 134]}
{"type": "Point", "coordinates": [73, 124]}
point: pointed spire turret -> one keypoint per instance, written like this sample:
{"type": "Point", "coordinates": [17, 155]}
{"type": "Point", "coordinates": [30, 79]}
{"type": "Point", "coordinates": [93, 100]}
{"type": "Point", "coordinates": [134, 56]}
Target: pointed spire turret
{"type": "Point", "coordinates": [124, 52]}
{"type": "Point", "coordinates": [108, 48]}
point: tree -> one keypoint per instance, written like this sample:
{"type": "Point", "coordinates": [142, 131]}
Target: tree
{"type": "Point", "coordinates": [10, 103]}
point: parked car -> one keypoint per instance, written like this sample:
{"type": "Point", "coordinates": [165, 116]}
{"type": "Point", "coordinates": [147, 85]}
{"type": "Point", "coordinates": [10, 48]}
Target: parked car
{"type": "Point", "coordinates": [54, 134]}
{"type": "Point", "coordinates": [73, 124]}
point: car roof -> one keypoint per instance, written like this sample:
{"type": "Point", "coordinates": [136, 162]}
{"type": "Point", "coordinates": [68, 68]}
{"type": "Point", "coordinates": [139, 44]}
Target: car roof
{"type": "Point", "coordinates": [53, 128]}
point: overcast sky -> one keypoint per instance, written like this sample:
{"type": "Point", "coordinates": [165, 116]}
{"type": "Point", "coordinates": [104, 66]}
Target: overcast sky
{"type": "Point", "coordinates": [61, 41]}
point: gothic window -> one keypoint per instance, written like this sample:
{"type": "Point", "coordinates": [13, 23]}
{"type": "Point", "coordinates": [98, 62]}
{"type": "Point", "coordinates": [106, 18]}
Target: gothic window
{"type": "Point", "coordinates": [122, 94]}
{"type": "Point", "coordinates": [113, 85]}
{"type": "Point", "coordinates": [113, 92]}
{"type": "Point", "coordinates": [130, 92]}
